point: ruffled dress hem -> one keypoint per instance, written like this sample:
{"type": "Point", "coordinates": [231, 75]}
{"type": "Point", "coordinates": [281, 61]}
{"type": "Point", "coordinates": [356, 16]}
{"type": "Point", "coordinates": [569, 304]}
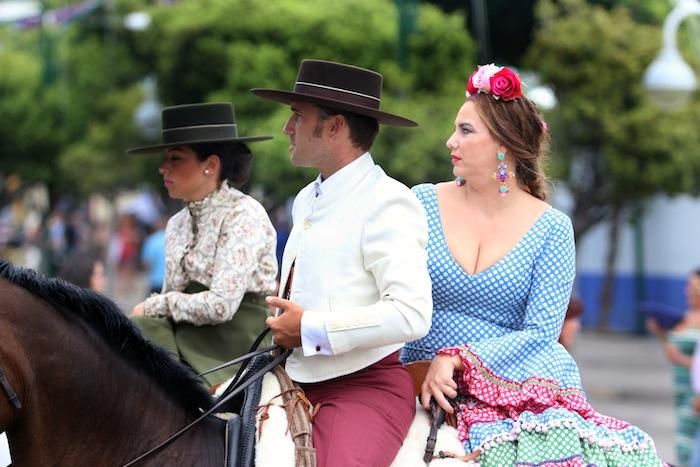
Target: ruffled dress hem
{"type": "Point", "coordinates": [574, 434]}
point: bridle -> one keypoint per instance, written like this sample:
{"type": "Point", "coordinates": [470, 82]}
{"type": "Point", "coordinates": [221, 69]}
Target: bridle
{"type": "Point", "coordinates": [237, 385]}
{"type": "Point", "coordinates": [9, 391]}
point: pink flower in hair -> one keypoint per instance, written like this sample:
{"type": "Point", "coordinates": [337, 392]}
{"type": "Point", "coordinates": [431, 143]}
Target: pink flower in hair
{"type": "Point", "coordinates": [501, 82]}
{"type": "Point", "coordinates": [480, 80]}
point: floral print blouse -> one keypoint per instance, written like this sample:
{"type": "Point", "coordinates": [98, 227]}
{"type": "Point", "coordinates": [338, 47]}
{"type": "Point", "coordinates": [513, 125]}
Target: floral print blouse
{"type": "Point", "coordinates": [225, 242]}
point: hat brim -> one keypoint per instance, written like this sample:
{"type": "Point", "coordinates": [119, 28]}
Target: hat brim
{"type": "Point", "coordinates": [156, 147]}
{"type": "Point", "coordinates": [287, 97]}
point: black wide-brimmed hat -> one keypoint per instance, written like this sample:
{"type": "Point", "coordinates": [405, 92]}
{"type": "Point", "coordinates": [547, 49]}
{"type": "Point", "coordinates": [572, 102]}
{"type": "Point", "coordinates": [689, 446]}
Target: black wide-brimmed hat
{"type": "Point", "coordinates": [340, 86]}
{"type": "Point", "coordinates": [213, 122]}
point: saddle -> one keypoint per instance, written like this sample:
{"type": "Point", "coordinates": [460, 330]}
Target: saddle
{"type": "Point", "coordinates": [240, 428]}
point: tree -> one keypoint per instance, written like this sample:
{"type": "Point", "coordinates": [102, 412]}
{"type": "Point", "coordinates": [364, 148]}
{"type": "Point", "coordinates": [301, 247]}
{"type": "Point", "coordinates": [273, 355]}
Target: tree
{"type": "Point", "coordinates": [199, 57]}
{"type": "Point", "coordinates": [612, 147]}
{"type": "Point", "coordinates": [69, 132]}
{"type": "Point", "coordinates": [28, 115]}
{"type": "Point", "coordinates": [73, 132]}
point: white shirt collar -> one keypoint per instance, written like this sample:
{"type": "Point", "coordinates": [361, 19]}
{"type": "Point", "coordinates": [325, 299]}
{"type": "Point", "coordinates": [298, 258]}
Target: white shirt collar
{"type": "Point", "coordinates": [343, 177]}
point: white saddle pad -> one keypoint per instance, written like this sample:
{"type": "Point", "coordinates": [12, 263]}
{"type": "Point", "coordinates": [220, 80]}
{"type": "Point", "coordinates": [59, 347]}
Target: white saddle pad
{"type": "Point", "coordinates": [275, 447]}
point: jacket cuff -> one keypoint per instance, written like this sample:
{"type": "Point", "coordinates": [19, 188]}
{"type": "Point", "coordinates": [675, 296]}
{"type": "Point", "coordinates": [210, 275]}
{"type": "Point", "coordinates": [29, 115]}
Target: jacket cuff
{"type": "Point", "coordinates": [155, 306]}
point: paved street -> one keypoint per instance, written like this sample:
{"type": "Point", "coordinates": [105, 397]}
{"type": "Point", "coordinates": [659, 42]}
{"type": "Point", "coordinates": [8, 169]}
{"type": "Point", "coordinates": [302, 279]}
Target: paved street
{"type": "Point", "coordinates": [629, 378]}
{"type": "Point", "coordinates": [626, 377]}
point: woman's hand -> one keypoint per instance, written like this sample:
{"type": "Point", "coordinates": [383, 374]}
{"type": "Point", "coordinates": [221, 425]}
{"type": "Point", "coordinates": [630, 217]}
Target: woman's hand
{"type": "Point", "coordinates": [439, 382]}
{"type": "Point", "coordinates": [138, 310]}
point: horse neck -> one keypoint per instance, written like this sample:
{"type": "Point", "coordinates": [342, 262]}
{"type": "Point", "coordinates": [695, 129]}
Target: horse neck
{"type": "Point", "coordinates": [89, 407]}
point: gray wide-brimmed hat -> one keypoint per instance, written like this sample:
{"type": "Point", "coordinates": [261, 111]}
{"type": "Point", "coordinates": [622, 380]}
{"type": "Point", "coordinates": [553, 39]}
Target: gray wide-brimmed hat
{"type": "Point", "coordinates": [339, 86]}
{"type": "Point", "coordinates": [213, 122]}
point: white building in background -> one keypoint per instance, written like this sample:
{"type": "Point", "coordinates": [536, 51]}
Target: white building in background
{"type": "Point", "coordinates": [670, 250]}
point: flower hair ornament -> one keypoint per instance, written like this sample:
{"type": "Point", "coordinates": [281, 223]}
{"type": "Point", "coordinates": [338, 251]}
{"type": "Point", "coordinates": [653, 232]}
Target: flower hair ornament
{"type": "Point", "coordinates": [499, 81]}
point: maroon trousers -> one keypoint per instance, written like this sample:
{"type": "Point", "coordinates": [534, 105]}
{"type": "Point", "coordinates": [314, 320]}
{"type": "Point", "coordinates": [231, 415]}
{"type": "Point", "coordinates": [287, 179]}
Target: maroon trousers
{"type": "Point", "coordinates": [363, 417]}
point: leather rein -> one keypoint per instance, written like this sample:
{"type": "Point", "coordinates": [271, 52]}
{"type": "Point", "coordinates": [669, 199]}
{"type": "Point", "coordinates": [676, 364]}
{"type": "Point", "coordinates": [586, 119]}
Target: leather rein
{"type": "Point", "coordinates": [9, 391]}
{"type": "Point", "coordinates": [234, 388]}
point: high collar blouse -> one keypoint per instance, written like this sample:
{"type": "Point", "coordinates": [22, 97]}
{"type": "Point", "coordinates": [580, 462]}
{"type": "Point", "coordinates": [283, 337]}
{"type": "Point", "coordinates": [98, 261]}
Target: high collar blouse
{"type": "Point", "coordinates": [225, 242]}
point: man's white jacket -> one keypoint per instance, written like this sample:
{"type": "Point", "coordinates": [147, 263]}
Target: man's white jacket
{"type": "Point", "coordinates": [358, 246]}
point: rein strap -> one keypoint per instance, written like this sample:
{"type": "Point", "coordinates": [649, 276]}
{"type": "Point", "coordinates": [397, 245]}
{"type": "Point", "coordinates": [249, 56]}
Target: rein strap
{"type": "Point", "coordinates": [11, 394]}
{"type": "Point", "coordinates": [220, 403]}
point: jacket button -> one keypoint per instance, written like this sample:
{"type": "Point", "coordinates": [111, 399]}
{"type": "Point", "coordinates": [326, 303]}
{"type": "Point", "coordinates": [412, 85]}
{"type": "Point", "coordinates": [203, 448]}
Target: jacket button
{"type": "Point", "coordinates": [307, 224]}
{"type": "Point", "coordinates": [318, 348]}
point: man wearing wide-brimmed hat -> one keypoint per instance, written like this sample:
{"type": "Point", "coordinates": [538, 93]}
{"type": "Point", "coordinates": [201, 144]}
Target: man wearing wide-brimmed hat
{"type": "Point", "coordinates": [354, 268]}
{"type": "Point", "coordinates": [220, 248]}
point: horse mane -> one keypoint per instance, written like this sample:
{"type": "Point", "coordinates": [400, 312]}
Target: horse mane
{"type": "Point", "coordinates": [103, 316]}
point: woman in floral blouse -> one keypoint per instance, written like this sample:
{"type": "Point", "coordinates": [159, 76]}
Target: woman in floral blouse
{"type": "Point", "coordinates": [220, 248]}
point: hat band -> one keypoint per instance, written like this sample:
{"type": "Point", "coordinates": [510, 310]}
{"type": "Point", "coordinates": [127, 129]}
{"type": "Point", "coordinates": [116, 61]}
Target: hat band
{"type": "Point", "coordinates": [338, 94]}
{"type": "Point", "coordinates": [199, 133]}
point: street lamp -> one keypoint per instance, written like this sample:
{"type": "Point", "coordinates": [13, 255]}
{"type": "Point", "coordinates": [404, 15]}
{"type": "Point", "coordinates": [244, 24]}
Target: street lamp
{"type": "Point", "coordinates": [137, 21]}
{"type": "Point", "coordinates": [541, 94]}
{"type": "Point", "coordinates": [669, 79]}
{"type": "Point", "coordinates": [17, 9]}
{"type": "Point", "coordinates": [147, 115]}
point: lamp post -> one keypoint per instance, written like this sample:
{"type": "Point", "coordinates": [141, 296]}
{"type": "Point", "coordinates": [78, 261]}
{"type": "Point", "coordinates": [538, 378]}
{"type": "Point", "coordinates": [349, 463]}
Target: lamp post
{"type": "Point", "coordinates": [147, 115]}
{"type": "Point", "coordinates": [408, 11]}
{"type": "Point", "coordinates": [669, 79]}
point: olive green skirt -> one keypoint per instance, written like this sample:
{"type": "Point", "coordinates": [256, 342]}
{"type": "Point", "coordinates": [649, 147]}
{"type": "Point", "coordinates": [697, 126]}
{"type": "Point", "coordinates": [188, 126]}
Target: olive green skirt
{"type": "Point", "coordinates": [205, 347]}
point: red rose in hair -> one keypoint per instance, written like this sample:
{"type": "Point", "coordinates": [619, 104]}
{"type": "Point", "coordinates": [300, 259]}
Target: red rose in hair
{"type": "Point", "coordinates": [506, 85]}
{"type": "Point", "coordinates": [471, 89]}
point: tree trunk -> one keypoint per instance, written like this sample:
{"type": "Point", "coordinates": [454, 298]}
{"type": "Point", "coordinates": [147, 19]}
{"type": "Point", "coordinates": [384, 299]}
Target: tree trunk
{"type": "Point", "coordinates": [607, 291]}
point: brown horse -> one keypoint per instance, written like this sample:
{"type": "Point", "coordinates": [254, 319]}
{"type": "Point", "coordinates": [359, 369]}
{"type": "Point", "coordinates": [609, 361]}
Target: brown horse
{"type": "Point", "coordinates": [91, 391]}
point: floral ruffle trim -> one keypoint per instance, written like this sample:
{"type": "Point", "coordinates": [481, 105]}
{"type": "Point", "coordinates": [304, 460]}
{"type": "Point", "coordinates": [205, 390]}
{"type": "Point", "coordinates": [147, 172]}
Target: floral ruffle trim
{"type": "Point", "coordinates": [586, 435]}
{"type": "Point", "coordinates": [492, 398]}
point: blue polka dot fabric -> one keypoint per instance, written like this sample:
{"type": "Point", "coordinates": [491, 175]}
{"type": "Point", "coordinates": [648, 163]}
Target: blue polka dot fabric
{"type": "Point", "coordinates": [511, 313]}
{"type": "Point", "coordinates": [507, 319]}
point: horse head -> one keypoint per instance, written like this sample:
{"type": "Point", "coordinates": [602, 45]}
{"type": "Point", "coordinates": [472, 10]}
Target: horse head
{"type": "Point", "coordinates": [14, 362]}
{"type": "Point", "coordinates": [92, 389]}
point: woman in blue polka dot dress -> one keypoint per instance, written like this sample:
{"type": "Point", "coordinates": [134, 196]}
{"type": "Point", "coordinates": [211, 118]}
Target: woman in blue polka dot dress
{"type": "Point", "coordinates": [502, 262]}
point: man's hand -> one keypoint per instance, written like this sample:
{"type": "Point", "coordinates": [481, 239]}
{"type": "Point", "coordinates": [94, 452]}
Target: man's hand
{"type": "Point", "coordinates": [286, 328]}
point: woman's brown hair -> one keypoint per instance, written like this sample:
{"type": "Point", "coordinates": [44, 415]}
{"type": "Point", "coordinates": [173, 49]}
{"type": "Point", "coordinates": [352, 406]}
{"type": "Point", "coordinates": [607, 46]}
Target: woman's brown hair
{"type": "Point", "coordinates": [236, 160]}
{"type": "Point", "coordinates": [519, 126]}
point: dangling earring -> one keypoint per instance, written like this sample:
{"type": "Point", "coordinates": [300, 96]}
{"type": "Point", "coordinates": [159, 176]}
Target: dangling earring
{"type": "Point", "coordinates": [501, 174]}
{"type": "Point", "coordinates": [460, 181]}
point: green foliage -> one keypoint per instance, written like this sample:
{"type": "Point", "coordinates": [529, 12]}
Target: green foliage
{"type": "Point", "coordinates": [612, 146]}
{"type": "Point", "coordinates": [27, 118]}
{"type": "Point", "coordinates": [648, 11]}
{"type": "Point", "coordinates": [75, 130]}
{"type": "Point", "coordinates": [101, 152]}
